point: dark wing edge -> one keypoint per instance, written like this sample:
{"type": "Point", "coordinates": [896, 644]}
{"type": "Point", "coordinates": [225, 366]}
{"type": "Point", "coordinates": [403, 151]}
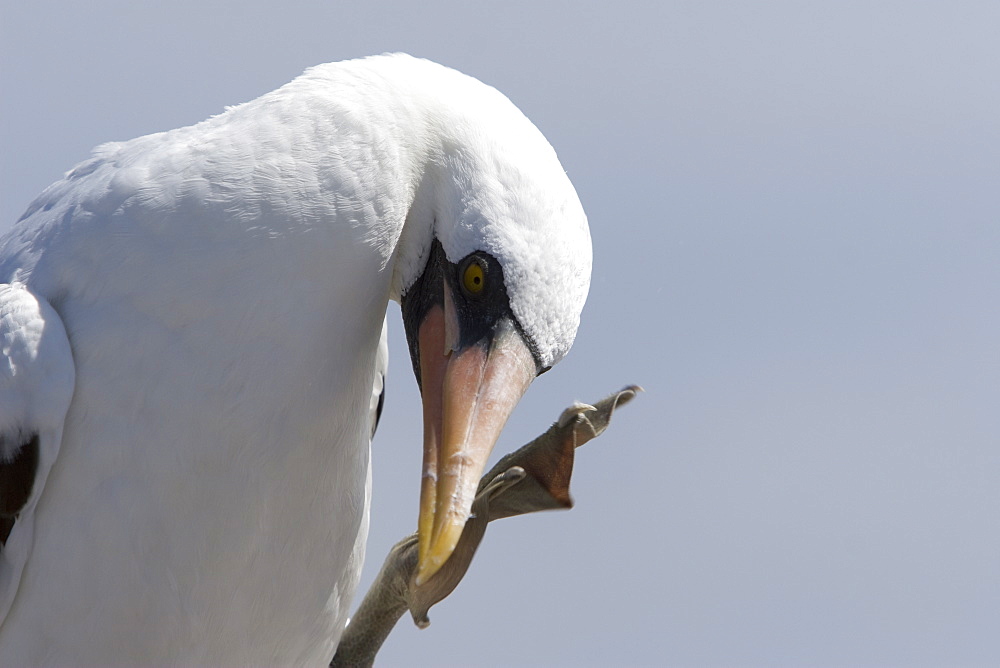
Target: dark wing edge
{"type": "Point", "coordinates": [377, 400]}
{"type": "Point", "coordinates": [17, 479]}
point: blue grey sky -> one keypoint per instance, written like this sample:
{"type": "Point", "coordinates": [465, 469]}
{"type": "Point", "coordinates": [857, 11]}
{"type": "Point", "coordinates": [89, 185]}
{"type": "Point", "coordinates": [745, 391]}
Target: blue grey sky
{"type": "Point", "coordinates": [796, 221]}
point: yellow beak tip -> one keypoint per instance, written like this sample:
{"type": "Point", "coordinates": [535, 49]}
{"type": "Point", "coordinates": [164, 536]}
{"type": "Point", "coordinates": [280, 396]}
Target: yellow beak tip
{"type": "Point", "coordinates": [441, 548]}
{"type": "Point", "coordinates": [427, 568]}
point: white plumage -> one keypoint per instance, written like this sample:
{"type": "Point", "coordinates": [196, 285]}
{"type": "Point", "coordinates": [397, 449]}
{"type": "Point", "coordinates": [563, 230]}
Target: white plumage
{"type": "Point", "coordinates": [223, 289]}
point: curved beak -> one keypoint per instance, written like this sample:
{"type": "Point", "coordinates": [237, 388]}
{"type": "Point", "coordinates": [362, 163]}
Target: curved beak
{"type": "Point", "coordinates": [468, 391]}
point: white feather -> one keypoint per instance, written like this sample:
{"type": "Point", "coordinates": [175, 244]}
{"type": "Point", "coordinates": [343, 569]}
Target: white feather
{"type": "Point", "coordinates": [36, 385]}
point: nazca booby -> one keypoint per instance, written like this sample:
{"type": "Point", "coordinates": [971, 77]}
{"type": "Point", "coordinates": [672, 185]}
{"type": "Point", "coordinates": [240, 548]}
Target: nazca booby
{"type": "Point", "coordinates": [191, 361]}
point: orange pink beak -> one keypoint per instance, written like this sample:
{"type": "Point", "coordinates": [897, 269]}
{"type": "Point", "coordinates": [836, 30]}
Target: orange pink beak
{"type": "Point", "coordinates": [468, 394]}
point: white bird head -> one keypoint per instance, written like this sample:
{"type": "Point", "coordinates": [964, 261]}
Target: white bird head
{"type": "Point", "coordinates": [495, 296]}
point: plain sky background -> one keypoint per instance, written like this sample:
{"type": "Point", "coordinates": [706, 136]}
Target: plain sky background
{"type": "Point", "coordinates": [796, 226]}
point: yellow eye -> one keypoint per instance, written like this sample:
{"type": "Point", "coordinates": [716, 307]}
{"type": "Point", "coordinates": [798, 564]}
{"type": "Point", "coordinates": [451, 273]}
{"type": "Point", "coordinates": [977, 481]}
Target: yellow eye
{"type": "Point", "coordinates": [474, 278]}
